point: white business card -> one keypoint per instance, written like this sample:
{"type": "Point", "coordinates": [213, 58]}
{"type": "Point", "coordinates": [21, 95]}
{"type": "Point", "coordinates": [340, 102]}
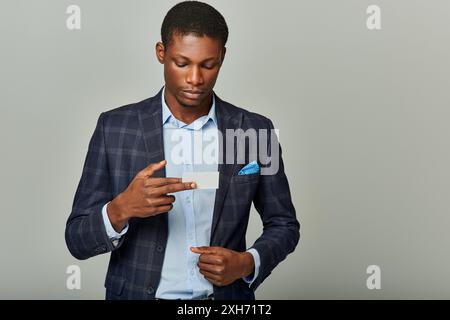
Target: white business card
{"type": "Point", "coordinates": [204, 180]}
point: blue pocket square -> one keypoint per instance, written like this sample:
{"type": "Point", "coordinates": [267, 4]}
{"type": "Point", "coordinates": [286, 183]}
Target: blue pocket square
{"type": "Point", "coordinates": [250, 168]}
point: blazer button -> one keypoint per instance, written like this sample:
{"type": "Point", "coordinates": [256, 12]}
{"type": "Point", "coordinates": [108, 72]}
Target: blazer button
{"type": "Point", "coordinates": [159, 248]}
{"type": "Point", "coordinates": [150, 290]}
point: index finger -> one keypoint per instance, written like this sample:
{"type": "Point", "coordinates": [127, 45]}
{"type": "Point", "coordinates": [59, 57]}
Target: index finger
{"type": "Point", "coordinates": [205, 250]}
{"type": "Point", "coordinates": [175, 187]}
{"type": "Point", "coordinates": [159, 182]}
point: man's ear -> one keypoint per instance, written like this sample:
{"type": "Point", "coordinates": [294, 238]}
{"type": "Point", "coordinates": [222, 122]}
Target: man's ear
{"type": "Point", "coordinates": [224, 50]}
{"type": "Point", "coordinates": [160, 53]}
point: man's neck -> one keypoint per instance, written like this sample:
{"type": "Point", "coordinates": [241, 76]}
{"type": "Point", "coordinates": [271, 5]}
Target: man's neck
{"type": "Point", "coordinates": [188, 114]}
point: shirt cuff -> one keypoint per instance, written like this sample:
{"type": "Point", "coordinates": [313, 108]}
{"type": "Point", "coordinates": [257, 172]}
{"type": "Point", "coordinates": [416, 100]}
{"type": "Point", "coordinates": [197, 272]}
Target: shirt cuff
{"type": "Point", "coordinates": [112, 234]}
{"type": "Point", "coordinates": [250, 278]}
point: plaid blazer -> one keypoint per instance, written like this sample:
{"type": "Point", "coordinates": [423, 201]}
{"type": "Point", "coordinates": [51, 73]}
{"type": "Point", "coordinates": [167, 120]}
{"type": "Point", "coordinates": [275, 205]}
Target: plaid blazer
{"type": "Point", "coordinates": [125, 141]}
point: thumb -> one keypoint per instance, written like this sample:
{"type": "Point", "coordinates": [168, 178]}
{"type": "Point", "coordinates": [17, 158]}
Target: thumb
{"type": "Point", "coordinates": [153, 167]}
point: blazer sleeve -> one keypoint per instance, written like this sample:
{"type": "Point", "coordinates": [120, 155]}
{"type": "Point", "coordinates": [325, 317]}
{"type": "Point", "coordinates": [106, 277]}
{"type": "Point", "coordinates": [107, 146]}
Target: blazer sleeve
{"type": "Point", "coordinates": [281, 229]}
{"type": "Point", "coordinates": [85, 232]}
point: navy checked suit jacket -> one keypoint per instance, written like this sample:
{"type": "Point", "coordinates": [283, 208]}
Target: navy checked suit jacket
{"type": "Point", "coordinates": [125, 141]}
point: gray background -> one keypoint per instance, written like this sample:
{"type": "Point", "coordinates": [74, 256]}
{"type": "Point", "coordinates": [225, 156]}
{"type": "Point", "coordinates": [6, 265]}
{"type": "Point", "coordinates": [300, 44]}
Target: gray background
{"type": "Point", "coordinates": [363, 118]}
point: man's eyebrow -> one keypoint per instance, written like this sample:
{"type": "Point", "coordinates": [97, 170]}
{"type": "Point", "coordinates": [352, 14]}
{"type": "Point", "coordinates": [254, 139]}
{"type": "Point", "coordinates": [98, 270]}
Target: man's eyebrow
{"type": "Point", "coordinates": [186, 58]}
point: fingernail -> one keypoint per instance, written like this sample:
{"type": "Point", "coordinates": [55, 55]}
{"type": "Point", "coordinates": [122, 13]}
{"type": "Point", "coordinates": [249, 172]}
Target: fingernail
{"type": "Point", "coordinates": [193, 185]}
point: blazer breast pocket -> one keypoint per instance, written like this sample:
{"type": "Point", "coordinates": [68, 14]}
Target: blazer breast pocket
{"type": "Point", "coordinates": [246, 178]}
{"type": "Point", "coordinates": [243, 188]}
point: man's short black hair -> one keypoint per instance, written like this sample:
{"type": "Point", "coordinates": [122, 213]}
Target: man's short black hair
{"type": "Point", "coordinates": [194, 17]}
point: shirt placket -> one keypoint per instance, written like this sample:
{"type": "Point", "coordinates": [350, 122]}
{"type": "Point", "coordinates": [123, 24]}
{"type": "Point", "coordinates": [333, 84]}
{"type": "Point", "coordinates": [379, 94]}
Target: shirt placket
{"type": "Point", "coordinates": [190, 215]}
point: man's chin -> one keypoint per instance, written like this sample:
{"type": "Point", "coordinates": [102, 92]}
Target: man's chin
{"type": "Point", "coordinates": [189, 106]}
{"type": "Point", "coordinates": [188, 103]}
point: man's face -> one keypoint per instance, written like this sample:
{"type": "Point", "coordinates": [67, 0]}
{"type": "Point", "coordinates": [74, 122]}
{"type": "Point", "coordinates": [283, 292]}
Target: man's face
{"type": "Point", "coordinates": [191, 67]}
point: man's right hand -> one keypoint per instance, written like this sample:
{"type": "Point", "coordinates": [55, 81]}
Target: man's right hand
{"type": "Point", "coordinates": [145, 196]}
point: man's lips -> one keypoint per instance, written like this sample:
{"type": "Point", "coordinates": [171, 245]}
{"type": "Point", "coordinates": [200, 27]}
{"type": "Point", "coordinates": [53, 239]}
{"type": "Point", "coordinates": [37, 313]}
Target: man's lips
{"type": "Point", "coordinates": [191, 94]}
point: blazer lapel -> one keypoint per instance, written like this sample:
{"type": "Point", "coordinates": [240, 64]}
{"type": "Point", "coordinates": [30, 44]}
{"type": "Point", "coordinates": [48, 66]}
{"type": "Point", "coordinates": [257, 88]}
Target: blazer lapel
{"type": "Point", "coordinates": [226, 120]}
{"type": "Point", "coordinates": [150, 117]}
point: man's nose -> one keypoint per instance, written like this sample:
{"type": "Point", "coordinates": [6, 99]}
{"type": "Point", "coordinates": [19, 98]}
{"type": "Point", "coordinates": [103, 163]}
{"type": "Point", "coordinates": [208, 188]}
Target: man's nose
{"type": "Point", "coordinates": [195, 76]}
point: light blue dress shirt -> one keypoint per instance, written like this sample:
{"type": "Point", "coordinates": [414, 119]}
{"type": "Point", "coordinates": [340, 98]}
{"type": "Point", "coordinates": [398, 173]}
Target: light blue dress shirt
{"type": "Point", "coordinates": [187, 148]}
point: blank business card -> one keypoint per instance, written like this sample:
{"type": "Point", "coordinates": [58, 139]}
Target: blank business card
{"type": "Point", "coordinates": [204, 180]}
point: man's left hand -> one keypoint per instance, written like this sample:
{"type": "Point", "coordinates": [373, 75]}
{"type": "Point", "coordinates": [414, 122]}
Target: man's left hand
{"type": "Point", "coordinates": [222, 266]}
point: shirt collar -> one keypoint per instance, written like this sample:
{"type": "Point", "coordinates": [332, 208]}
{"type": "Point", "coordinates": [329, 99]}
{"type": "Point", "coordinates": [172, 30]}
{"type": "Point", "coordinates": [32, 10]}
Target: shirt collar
{"type": "Point", "coordinates": [167, 115]}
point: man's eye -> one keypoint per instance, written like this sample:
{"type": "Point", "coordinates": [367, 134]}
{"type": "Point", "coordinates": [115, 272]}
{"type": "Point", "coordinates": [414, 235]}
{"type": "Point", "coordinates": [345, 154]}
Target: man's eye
{"type": "Point", "coordinates": [208, 67]}
{"type": "Point", "coordinates": [181, 65]}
